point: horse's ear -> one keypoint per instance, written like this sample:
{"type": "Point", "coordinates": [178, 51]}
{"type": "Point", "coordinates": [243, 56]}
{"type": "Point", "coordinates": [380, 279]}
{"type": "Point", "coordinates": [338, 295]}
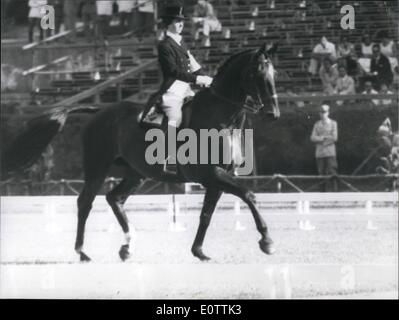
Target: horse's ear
{"type": "Point", "coordinates": [272, 50]}
{"type": "Point", "coordinates": [262, 50]}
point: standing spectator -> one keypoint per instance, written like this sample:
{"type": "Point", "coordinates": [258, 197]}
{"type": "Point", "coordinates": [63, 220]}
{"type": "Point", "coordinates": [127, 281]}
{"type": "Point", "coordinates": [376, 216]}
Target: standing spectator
{"type": "Point", "coordinates": [35, 16]}
{"type": "Point", "coordinates": [325, 135]}
{"type": "Point", "coordinates": [145, 17]}
{"type": "Point", "coordinates": [384, 90]}
{"type": "Point", "coordinates": [324, 49]}
{"type": "Point", "coordinates": [380, 68]}
{"type": "Point", "coordinates": [89, 18]}
{"type": "Point", "coordinates": [205, 19]}
{"type": "Point", "coordinates": [368, 89]}
{"type": "Point", "coordinates": [104, 16]}
{"type": "Point", "coordinates": [345, 84]}
{"type": "Point", "coordinates": [125, 8]}
{"type": "Point", "coordinates": [58, 6]}
{"type": "Point", "coordinates": [70, 16]}
{"type": "Point", "coordinates": [328, 75]}
{"type": "Point", "coordinates": [345, 48]}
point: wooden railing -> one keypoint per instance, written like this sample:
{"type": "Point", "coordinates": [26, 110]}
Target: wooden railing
{"type": "Point", "coordinates": [97, 89]}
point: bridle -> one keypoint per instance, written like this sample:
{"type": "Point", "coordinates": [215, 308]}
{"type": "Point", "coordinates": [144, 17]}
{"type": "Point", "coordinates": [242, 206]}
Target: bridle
{"type": "Point", "coordinates": [251, 104]}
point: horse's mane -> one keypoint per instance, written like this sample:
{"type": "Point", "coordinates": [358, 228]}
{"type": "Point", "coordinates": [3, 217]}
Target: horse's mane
{"type": "Point", "coordinates": [228, 62]}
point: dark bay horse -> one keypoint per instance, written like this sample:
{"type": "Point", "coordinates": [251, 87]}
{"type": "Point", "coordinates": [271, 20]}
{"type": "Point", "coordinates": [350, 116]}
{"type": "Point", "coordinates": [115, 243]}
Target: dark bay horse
{"type": "Point", "coordinates": [114, 135]}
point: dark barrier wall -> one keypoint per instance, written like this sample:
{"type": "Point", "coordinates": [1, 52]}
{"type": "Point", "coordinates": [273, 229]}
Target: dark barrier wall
{"type": "Point", "coordinates": [282, 146]}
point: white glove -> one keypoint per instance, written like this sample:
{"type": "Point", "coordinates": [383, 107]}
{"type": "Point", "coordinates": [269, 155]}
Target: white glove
{"type": "Point", "coordinates": [204, 81]}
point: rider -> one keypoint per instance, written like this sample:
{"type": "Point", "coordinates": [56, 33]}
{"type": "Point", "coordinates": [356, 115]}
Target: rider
{"type": "Point", "coordinates": [179, 67]}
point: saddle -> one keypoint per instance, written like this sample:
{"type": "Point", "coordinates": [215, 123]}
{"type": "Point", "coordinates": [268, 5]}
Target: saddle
{"type": "Point", "coordinates": [154, 117]}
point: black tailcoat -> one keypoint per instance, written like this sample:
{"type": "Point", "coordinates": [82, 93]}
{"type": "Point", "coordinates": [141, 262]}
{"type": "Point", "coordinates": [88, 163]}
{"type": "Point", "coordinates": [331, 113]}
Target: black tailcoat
{"type": "Point", "coordinates": [175, 65]}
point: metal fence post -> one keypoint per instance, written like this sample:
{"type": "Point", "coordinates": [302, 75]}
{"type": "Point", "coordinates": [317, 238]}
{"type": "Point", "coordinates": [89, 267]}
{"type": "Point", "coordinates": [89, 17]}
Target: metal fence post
{"type": "Point", "coordinates": [62, 187]}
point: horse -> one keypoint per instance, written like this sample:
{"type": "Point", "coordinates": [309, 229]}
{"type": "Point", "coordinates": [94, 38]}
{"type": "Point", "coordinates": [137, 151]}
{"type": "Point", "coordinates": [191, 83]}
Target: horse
{"type": "Point", "coordinates": [114, 136]}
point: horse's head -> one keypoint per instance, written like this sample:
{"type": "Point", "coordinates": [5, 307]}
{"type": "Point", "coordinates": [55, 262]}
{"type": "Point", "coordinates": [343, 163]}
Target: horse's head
{"type": "Point", "coordinates": [257, 81]}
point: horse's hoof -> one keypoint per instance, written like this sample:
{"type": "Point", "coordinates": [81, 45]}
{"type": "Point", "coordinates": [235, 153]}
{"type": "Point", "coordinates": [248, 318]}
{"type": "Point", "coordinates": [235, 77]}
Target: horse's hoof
{"type": "Point", "coordinates": [124, 252]}
{"type": "Point", "coordinates": [84, 257]}
{"type": "Point", "coordinates": [267, 246]}
{"type": "Point", "coordinates": [200, 255]}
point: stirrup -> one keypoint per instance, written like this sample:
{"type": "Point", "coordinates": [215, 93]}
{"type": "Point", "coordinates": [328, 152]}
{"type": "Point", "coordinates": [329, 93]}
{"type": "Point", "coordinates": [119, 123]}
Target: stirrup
{"type": "Point", "coordinates": [169, 168]}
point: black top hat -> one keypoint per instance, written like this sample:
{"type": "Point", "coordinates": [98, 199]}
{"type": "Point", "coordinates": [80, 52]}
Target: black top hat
{"type": "Point", "coordinates": [173, 11]}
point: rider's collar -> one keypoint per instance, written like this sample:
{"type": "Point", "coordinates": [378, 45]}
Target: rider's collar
{"type": "Point", "coordinates": [175, 36]}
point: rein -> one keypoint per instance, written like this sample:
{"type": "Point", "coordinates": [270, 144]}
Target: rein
{"type": "Point", "coordinates": [258, 104]}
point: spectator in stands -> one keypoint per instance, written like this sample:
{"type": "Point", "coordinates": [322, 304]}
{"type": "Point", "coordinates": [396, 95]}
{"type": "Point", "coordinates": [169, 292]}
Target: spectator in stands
{"type": "Point", "coordinates": [384, 90]}
{"type": "Point", "coordinates": [345, 48]}
{"type": "Point", "coordinates": [70, 16]}
{"type": "Point", "coordinates": [324, 49]}
{"type": "Point", "coordinates": [205, 20]}
{"type": "Point", "coordinates": [353, 66]}
{"type": "Point", "coordinates": [368, 86]}
{"type": "Point", "coordinates": [387, 45]}
{"type": "Point", "coordinates": [104, 16]}
{"type": "Point", "coordinates": [367, 47]}
{"type": "Point", "coordinates": [145, 17]}
{"type": "Point", "coordinates": [89, 16]}
{"type": "Point", "coordinates": [366, 50]}
{"type": "Point", "coordinates": [345, 84]}
{"type": "Point", "coordinates": [325, 135]}
{"type": "Point", "coordinates": [125, 9]}
{"type": "Point", "coordinates": [328, 75]}
{"type": "Point", "coordinates": [35, 16]}
{"type": "Point", "coordinates": [380, 68]}
{"type": "Point", "coordinates": [58, 6]}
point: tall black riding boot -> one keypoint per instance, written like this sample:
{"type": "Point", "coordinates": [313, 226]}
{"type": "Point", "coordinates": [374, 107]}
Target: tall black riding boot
{"type": "Point", "coordinates": [170, 164]}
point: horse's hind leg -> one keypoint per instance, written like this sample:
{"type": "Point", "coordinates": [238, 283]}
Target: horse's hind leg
{"type": "Point", "coordinates": [116, 199]}
{"type": "Point", "coordinates": [212, 196]}
{"type": "Point", "coordinates": [85, 202]}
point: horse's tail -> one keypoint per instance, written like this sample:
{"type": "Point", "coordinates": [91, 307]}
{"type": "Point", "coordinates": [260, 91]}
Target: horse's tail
{"type": "Point", "coordinates": [29, 144]}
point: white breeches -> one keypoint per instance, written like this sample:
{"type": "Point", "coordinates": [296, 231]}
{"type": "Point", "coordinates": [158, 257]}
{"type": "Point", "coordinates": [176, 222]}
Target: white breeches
{"type": "Point", "coordinates": [173, 100]}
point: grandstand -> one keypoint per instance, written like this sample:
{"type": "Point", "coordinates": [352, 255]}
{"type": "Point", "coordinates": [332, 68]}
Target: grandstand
{"type": "Point", "coordinates": [296, 40]}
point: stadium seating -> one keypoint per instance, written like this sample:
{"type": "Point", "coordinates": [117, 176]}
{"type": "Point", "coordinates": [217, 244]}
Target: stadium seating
{"type": "Point", "coordinates": [296, 41]}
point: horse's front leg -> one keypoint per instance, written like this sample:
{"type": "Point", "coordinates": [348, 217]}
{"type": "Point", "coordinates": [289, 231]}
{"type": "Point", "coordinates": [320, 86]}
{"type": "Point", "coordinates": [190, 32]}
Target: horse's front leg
{"type": "Point", "coordinates": [226, 183]}
{"type": "Point", "coordinates": [212, 196]}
